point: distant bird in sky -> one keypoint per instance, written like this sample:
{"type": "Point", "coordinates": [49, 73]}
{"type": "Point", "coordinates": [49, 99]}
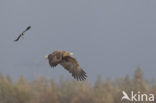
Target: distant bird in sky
{"type": "Point", "coordinates": [65, 59]}
{"type": "Point", "coordinates": [22, 34]}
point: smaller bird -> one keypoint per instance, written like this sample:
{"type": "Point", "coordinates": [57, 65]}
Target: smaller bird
{"type": "Point", "coordinates": [69, 63]}
{"type": "Point", "coordinates": [22, 34]}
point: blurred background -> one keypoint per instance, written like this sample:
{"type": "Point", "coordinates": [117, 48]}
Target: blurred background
{"type": "Point", "coordinates": [105, 36]}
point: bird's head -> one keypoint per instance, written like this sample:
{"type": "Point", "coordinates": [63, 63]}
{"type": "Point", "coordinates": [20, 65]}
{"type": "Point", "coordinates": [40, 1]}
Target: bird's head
{"type": "Point", "coordinates": [65, 53]}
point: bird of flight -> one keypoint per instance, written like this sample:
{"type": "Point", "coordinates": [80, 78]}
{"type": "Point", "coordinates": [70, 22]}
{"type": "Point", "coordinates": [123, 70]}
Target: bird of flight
{"type": "Point", "coordinates": [22, 34]}
{"type": "Point", "coordinates": [66, 60]}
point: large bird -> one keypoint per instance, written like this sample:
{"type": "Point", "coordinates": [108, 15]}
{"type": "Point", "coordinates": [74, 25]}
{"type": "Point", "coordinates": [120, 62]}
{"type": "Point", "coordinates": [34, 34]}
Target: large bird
{"type": "Point", "coordinates": [22, 34]}
{"type": "Point", "coordinates": [65, 59]}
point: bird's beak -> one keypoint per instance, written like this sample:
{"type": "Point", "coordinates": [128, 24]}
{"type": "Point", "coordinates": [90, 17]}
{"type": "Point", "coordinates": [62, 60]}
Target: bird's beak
{"type": "Point", "coordinates": [71, 53]}
{"type": "Point", "coordinates": [46, 56]}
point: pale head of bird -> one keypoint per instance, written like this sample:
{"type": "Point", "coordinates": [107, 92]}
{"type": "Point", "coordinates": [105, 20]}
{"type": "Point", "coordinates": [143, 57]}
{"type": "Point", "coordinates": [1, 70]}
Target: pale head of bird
{"type": "Point", "coordinates": [65, 53]}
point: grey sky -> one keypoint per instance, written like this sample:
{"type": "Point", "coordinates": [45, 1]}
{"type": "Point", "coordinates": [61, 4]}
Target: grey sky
{"type": "Point", "coordinates": [108, 37]}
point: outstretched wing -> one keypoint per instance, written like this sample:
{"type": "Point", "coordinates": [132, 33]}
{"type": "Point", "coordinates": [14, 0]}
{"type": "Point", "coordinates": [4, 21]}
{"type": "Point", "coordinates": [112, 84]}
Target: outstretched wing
{"type": "Point", "coordinates": [27, 29]}
{"type": "Point", "coordinates": [71, 64]}
{"type": "Point", "coordinates": [124, 93]}
{"type": "Point", "coordinates": [18, 37]}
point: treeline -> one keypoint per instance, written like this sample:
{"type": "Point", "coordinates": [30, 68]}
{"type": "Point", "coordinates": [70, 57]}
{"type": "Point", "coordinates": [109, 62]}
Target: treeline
{"type": "Point", "coordinates": [43, 90]}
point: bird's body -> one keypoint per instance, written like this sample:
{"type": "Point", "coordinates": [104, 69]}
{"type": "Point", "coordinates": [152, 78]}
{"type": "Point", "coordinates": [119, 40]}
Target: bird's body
{"type": "Point", "coordinates": [22, 34]}
{"type": "Point", "coordinates": [65, 59]}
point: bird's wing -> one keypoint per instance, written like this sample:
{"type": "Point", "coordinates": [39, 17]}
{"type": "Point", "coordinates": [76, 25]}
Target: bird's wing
{"type": "Point", "coordinates": [18, 38]}
{"type": "Point", "coordinates": [27, 28]}
{"type": "Point", "coordinates": [71, 64]}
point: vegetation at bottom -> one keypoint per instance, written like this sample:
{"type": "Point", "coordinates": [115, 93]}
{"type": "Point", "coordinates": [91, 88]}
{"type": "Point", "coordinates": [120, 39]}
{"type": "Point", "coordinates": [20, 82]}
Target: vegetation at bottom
{"type": "Point", "coordinates": [43, 90]}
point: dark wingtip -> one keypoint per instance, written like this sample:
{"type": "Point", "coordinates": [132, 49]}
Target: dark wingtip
{"type": "Point", "coordinates": [81, 76]}
{"type": "Point", "coordinates": [28, 28]}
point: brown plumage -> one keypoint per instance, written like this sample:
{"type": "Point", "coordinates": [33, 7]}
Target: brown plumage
{"type": "Point", "coordinates": [65, 59]}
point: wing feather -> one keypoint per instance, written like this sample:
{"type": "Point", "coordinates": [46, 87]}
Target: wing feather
{"type": "Point", "coordinates": [71, 64]}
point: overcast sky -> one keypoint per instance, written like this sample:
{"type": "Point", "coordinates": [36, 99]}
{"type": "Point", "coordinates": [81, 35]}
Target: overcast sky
{"type": "Point", "coordinates": [108, 37]}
